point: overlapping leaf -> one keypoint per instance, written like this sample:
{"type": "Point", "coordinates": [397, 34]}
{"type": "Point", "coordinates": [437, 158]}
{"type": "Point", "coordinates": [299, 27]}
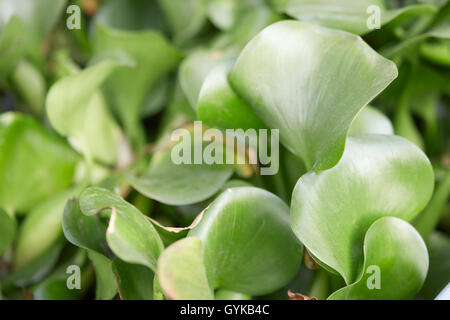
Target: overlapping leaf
{"type": "Point", "coordinates": [246, 246]}
{"type": "Point", "coordinates": [77, 109]}
{"type": "Point", "coordinates": [296, 76]}
{"type": "Point", "coordinates": [378, 175]}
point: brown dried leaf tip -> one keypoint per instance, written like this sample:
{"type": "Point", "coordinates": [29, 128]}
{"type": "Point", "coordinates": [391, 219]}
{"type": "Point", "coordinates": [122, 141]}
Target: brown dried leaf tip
{"type": "Point", "coordinates": [309, 261]}
{"type": "Point", "coordinates": [299, 296]}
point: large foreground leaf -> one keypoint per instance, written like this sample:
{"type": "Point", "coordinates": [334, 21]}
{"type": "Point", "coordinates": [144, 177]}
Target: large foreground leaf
{"type": "Point", "coordinates": [378, 176]}
{"type": "Point", "coordinates": [245, 246]}
{"type": "Point", "coordinates": [297, 78]}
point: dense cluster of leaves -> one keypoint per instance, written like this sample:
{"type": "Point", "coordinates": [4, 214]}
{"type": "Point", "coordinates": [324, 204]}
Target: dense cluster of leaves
{"type": "Point", "coordinates": [86, 176]}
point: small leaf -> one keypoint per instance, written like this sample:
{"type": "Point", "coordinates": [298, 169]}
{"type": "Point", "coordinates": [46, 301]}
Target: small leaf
{"type": "Point", "coordinates": [194, 69]}
{"type": "Point", "coordinates": [220, 107]}
{"type": "Point", "coordinates": [248, 246]}
{"type": "Point", "coordinates": [181, 271]}
{"type": "Point", "coordinates": [395, 249]}
{"type": "Point", "coordinates": [135, 282]}
{"type": "Point", "coordinates": [41, 228]}
{"type": "Point", "coordinates": [105, 288]}
{"type": "Point", "coordinates": [77, 109]}
{"type": "Point", "coordinates": [184, 183]}
{"type": "Point", "coordinates": [84, 231]}
{"type": "Point", "coordinates": [130, 235]}
{"type": "Point", "coordinates": [125, 88]}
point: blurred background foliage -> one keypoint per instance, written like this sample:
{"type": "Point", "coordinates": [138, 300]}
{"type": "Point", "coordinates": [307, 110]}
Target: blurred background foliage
{"type": "Point", "coordinates": [139, 67]}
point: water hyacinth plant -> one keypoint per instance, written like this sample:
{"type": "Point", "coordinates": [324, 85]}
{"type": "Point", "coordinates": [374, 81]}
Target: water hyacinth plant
{"type": "Point", "coordinates": [224, 149]}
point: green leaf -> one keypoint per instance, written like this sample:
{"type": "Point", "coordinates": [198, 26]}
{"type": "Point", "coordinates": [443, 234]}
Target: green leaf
{"type": "Point", "coordinates": [180, 184]}
{"type": "Point", "coordinates": [77, 109]}
{"type": "Point", "coordinates": [300, 103]}
{"type": "Point", "coordinates": [347, 15]}
{"type": "Point", "coordinates": [33, 271]}
{"type": "Point", "coordinates": [84, 231]}
{"type": "Point", "coordinates": [427, 221]}
{"type": "Point", "coordinates": [438, 276]}
{"type": "Point", "coordinates": [31, 85]}
{"type": "Point", "coordinates": [195, 68]}
{"type": "Point", "coordinates": [378, 175]}
{"type": "Point", "coordinates": [7, 230]}
{"type": "Point", "coordinates": [219, 106]}
{"type": "Point", "coordinates": [12, 45]}
{"type": "Point", "coordinates": [230, 295]}
{"type": "Point", "coordinates": [106, 287]}
{"type": "Point", "coordinates": [248, 246]}
{"type": "Point", "coordinates": [41, 228]}
{"type": "Point", "coordinates": [34, 164]}
{"type": "Point", "coordinates": [371, 121]}
{"type": "Point", "coordinates": [119, 14]}
{"type": "Point", "coordinates": [409, 47]}
{"type": "Point", "coordinates": [37, 18]}
{"type": "Point", "coordinates": [397, 250]}
{"type": "Point", "coordinates": [126, 88]}
{"type": "Point", "coordinates": [135, 282]}
{"type": "Point", "coordinates": [185, 18]}
{"type": "Point", "coordinates": [130, 235]}
{"type": "Point", "coordinates": [181, 271]}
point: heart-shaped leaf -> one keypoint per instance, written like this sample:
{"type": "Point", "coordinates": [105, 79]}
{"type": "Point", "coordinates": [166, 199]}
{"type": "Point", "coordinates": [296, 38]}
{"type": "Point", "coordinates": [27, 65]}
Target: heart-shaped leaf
{"type": "Point", "coordinates": [248, 246]}
{"type": "Point", "coordinates": [285, 74]}
{"type": "Point", "coordinates": [130, 235]}
{"type": "Point", "coordinates": [395, 263]}
{"type": "Point", "coordinates": [378, 175]}
{"type": "Point", "coordinates": [34, 164]}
